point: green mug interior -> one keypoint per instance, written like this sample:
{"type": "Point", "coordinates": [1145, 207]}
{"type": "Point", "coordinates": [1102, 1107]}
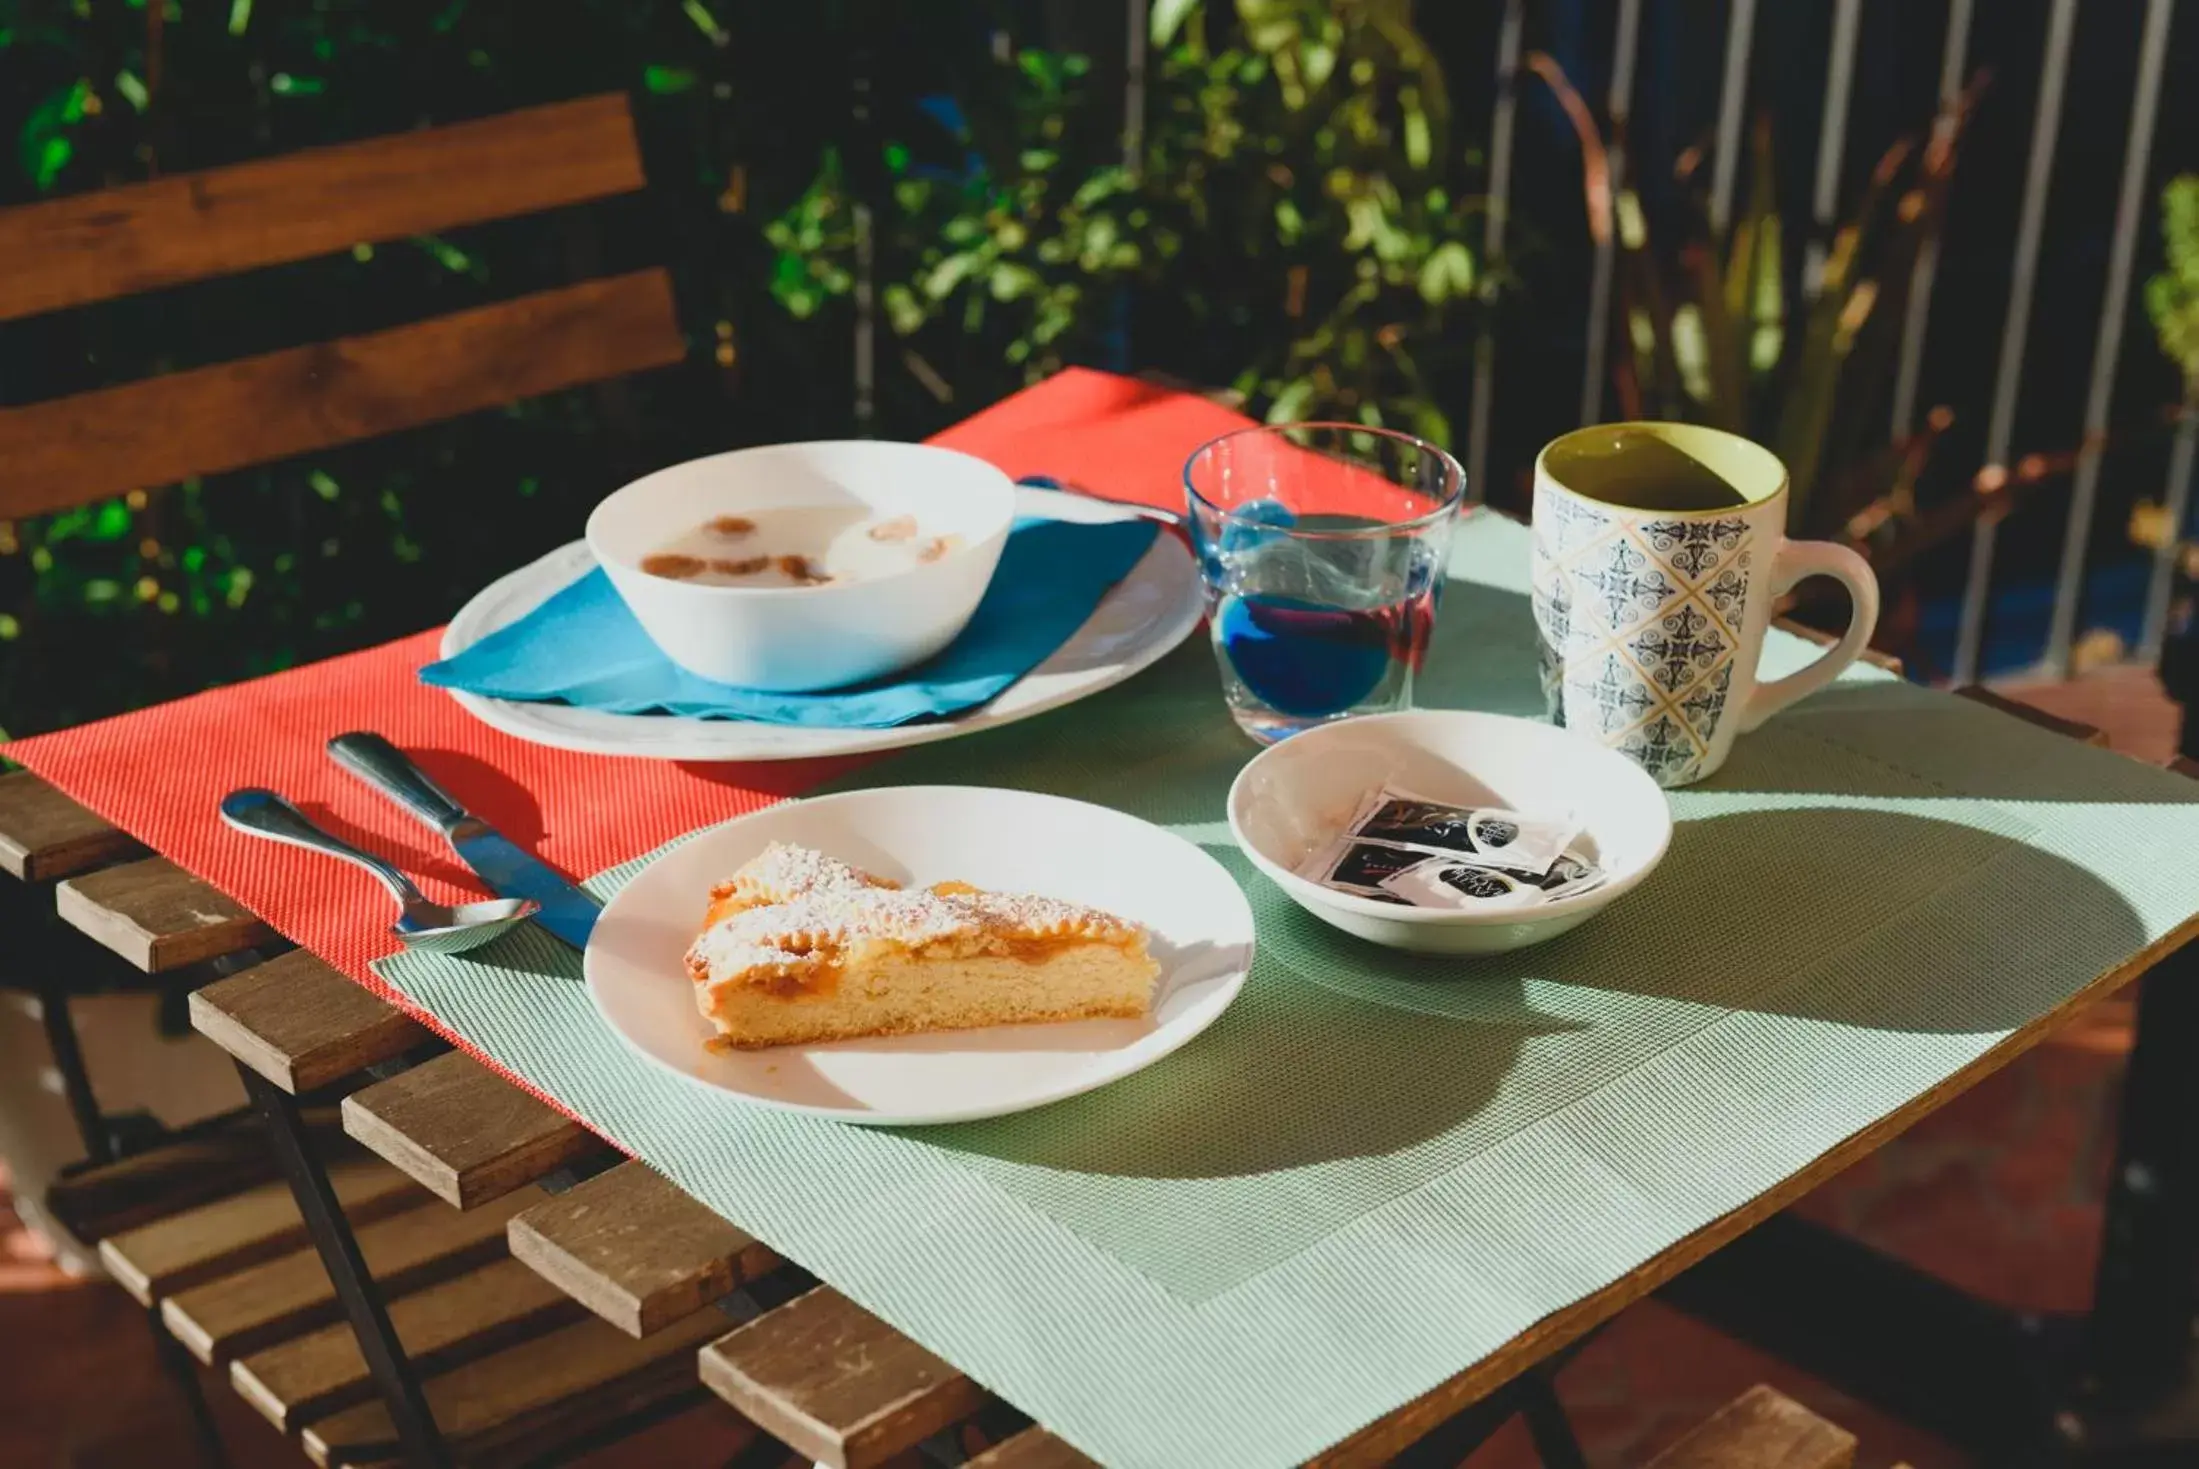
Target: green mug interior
{"type": "Point", "coordinates": [1671, 468]}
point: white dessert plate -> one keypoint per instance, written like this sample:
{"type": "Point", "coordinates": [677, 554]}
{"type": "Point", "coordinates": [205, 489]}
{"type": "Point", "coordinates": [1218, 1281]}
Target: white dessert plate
{"type": "Point", "coordinates": [1140, 620]}
{"type": "Point", "coordinates": [1198, 923]}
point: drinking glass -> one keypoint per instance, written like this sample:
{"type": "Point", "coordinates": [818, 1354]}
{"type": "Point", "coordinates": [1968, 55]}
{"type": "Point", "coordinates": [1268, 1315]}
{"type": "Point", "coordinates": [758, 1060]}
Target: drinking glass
{"type": "Point", "coordinates": [1322, 548]}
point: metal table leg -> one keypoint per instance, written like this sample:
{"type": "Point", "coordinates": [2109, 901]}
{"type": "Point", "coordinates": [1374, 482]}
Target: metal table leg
{"type": "Point", "coordinates": [176, 1363]}
{"type": "Point", "coordinates": [68, 1062]}
{"type": "Point", "coordinates": [2146, 1301]}
{"type": "Point", "coordinates": [355, 1289]}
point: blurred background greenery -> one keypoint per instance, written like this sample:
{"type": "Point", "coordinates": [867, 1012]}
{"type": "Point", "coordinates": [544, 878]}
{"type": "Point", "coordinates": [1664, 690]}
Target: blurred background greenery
{"type": "Point", "coordinates": [1293, 223]}
{"type": "Point", "coordinates": [881, 218]}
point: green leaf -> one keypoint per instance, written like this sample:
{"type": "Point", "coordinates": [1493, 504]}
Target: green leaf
{"type": "Point", "coordinates": [53, 156]}
{"type": "Point", "coordinates": [667, 81]}
{"type": "Point", "coordinates": [1168, 17]}
{"type": "Point", "coordinates": [112, 524]}
{"type": "Point", "coordinates": [941, 279]}
{"type": "Point", "coordinates": [1291, 402]}
{"type": "Point", "coordinates": [704, 21]}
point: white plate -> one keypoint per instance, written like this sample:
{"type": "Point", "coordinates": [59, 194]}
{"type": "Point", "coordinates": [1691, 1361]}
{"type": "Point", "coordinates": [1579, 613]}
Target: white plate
{"type": "Point", "coordinates": [1140, 620]}
{"type": "Point", "coordinates": [1199, 923]}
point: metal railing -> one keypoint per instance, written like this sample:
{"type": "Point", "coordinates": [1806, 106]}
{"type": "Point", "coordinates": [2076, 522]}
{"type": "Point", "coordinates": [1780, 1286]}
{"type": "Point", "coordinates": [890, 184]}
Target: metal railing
{"type": "Point", "coordinates": [1737, 47]}
{"type": "Point", "coordinates": [2000, 438]}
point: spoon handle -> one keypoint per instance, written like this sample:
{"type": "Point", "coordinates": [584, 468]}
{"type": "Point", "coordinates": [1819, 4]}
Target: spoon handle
{"type": "Point", "coordinates": [265, 814]}
{"type": "Point", "coordinates": [391, 771]}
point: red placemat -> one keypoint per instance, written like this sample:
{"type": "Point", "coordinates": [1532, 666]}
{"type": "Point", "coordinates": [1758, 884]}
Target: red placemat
{"type": "Point", "coordinates": [160, 772]}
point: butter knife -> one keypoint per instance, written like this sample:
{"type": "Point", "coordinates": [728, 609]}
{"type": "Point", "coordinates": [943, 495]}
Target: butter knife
{"type": "Point", "coordinates": [509, 869]}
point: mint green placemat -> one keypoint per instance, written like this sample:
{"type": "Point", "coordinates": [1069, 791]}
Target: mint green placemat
{"type": "Point", "coordinates": [1375, 1169]}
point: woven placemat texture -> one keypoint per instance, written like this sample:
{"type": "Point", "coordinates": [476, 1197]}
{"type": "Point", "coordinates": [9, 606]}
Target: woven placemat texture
{"type": "Point", "coordinates": [1375, 1169]}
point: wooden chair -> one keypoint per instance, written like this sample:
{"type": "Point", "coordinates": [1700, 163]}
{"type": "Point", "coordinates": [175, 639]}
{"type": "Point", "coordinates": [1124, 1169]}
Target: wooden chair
{"type": "Point", "coordinates": [1761, 1429]}
{"type": "Point", "coordinates": [175, 933]}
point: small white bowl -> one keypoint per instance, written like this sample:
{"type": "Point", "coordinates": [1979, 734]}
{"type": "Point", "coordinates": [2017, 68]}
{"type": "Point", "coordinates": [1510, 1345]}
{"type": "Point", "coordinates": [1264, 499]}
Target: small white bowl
{"type": "Point", "coordinates": [1296, 796]}
{"type": "Point", "coordinates": [792, 639]}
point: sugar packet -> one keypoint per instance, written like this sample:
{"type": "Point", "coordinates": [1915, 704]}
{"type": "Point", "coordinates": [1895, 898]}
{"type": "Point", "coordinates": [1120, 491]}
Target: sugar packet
{"type": "Point", "coordinates": [1360, 868]}
{"type": "Point", "coordinates": [1446, 882]}
{"type": "Point", "coordinates": [1486, 836]}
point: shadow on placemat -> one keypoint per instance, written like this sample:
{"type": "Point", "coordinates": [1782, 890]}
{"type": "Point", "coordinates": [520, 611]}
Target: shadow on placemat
{"type": "Point", "coordinates": [1867, 918]}
{"type": "Point", "coordinates": [1887, 739]}
{"type": "Point", "coordinates": [1348, 1080]}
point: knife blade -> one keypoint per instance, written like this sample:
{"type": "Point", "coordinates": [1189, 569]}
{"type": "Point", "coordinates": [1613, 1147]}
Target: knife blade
{"type": "Point", "coordinates": [509, 869]}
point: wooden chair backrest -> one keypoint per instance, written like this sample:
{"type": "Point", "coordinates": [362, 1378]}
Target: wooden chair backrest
{"type": "Point", "coordinates": [115, 242]}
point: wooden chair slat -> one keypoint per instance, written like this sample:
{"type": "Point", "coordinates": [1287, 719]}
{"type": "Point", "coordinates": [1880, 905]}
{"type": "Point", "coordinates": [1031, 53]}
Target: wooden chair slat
{"type": "Point", "coordinates": [262, 1223]}
{"type": "Point", "coordinates": [1823, 639]}
{"type": "Point", "coordinates": [158, 916]}
{"type": "Point", "coordinates": [635, 1249]}
{"type": "Point", "coordinates": [1033, 1448]}
{"type": "Point", "coordinates": [91, 247]}
{"type": "Point", "coordinates": [72, 450]}
{"type": "Point", "coordinates": [300, 1023]}
{"type": "Point", "coordinates": [830, 1380]}
{"type": "Point", "coordinates": [463, 1132]}
{"type": "Point", "coordinates": [2031, 714]}
{"type": "Point", "coordinates": [177, 1175]}
{"type": "Point", "coordinates": [251, 1308]}
{"type": "Point", "coordinates": [441, 1327]}
{"type": "Point", "coordinates": [1761, 1429]}
{"type": "Point", "coordinates": [514, 1405]}
{"type": "Point", "coordinates": [44, 835]}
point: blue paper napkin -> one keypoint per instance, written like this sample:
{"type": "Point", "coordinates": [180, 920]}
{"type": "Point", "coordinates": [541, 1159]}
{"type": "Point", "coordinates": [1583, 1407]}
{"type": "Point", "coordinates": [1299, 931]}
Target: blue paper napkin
{"type": "Point", "coordinates": [582, 647]}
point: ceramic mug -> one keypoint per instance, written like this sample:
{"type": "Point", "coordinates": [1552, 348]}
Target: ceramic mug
{"type": "Point", "coordinates": [1659, 549]}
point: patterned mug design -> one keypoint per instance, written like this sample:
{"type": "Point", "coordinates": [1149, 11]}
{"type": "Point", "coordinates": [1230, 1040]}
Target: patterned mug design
{"type": "Point", "coordinates": [1644, 657]}
{"type": "Point", "coordinates": [1649, 623]}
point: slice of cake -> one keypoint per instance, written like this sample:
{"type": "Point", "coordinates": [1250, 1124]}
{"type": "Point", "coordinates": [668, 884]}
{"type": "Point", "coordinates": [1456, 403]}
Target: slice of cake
{"type": "Point", "coordinates": [798, 947]}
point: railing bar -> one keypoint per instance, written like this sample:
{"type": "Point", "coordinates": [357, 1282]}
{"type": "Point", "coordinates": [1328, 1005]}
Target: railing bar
{"type": "Point", "coordinates": [1492, 239]}
{"type": "Point", "coordinates": [2183, 455]}
{"type": "Point", "coordinates": [1623, 46]}
{"type": "Point", "coordinates": [1918, 317]}
{"type": "Point", "coordinates": [1732, 101]}
{"type": "Point", "coordinates": [1832, 137]}
{"type": "Point", "coordinates": [2084, 489]}
{"type": "Point", "coordinates": [1133, 90]}
{"type": "Point", "coordinates": [2000, 429]}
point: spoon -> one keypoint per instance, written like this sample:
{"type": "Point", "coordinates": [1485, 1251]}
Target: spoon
{"type": "Point", "coordinates": [421, 924]}
{"type": "Point", "coordinates": [1173, 519]}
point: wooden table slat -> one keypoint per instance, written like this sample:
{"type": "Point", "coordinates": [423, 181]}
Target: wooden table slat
{"type": "Point", "coordinates": [1033, 1448]}
{"type": "Point", "coordinates": [198, 1244]}
{"type": "Point", "coordinates": [300, 1023]}
{"type": "Point", "coordinates": [466, 1134]}
{"type": "Point", "coordinates": [443, 1326]}
{"type": "Point", "coordinates": [1761, 1429]}
{"type": "Point", "coordinates": [158, 916]}
{"type": "Point", "coordinates": [632, 1247]}
{"type": "Point", "coordinates": [832, 1381]}
{"type": "Point", "coordinates": [45, 836]}
{"type": "Point", "coordinates": [176, 1175]}
{"type": "Point", "coordinates": [2031, 714]}
{"type": "Point", "coordinates": [511, 1406]}
{"type": "Point", "coordinates": [265, 1303]}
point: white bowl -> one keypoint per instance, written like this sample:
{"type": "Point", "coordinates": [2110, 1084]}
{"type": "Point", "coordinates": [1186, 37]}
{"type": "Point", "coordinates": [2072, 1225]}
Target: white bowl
{"type": "Point", "coordinates": [1296, 796]}
{"type": "Point", "coordinates": [792, 639]}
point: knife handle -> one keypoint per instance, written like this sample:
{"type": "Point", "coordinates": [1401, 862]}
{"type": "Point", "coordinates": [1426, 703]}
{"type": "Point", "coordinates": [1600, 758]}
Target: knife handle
{"type": "Point", "coordinates": [391, 771]}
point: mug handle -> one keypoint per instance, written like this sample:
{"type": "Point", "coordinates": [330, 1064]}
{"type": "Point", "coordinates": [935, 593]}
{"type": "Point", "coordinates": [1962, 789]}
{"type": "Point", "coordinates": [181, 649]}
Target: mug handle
{"type": "Point", "coordinates": [1796, 561]}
